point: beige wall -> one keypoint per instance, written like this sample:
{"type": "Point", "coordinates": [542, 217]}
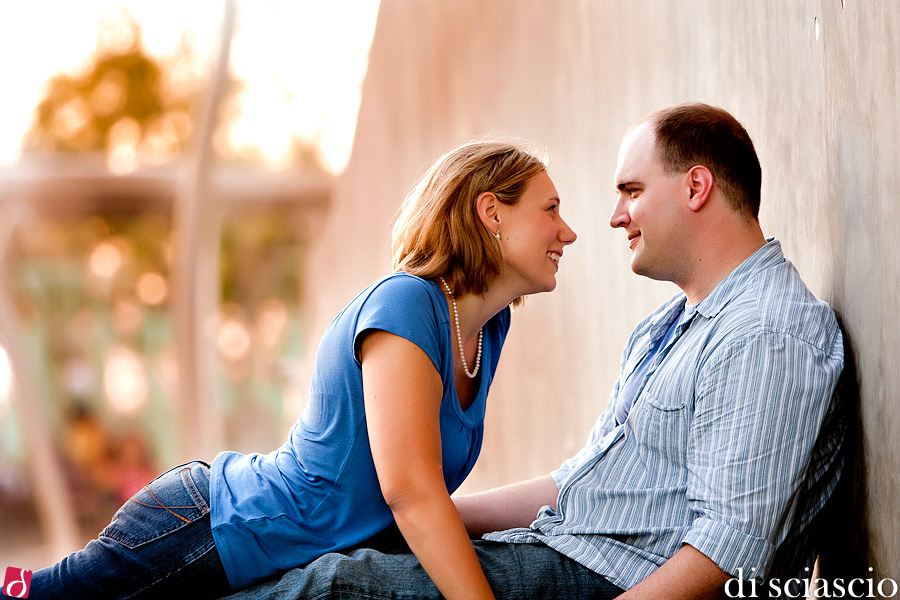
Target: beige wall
{"type": "Point", "coordinates": [815, 83]}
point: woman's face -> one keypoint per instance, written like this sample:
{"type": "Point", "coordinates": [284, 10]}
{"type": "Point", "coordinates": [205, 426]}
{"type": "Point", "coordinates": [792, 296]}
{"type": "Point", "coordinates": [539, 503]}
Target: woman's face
{"type": "Point", "coordinates": [532, 237]}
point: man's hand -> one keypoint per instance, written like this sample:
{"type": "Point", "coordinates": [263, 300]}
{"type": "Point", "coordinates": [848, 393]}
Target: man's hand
{"type": "Point", "coordinates": [514, 505]}
{"type": "Point", "coordinates": [688, 575]}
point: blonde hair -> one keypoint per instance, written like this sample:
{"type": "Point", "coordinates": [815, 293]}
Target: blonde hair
{"type": "Point", "coordinates": [438, 232]}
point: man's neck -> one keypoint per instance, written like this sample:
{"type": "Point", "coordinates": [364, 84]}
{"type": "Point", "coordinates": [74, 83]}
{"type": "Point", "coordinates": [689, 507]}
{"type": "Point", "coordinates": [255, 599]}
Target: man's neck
{"type": "Point", "coordinates": [719, 255]}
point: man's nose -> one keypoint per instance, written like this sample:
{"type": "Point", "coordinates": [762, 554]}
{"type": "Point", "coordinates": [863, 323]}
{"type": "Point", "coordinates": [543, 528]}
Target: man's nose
{"type": "Point", "coordinates": [619, 216]}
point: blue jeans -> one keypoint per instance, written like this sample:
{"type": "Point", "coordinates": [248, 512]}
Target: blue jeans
{"type": "Point", "coordinates": [513, 571]}
{"type": "Point", "coordinates": [159, 544]}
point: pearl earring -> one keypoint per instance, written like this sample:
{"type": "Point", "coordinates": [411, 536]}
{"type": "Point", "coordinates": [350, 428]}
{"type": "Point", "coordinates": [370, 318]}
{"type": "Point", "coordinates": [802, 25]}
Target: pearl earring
{"type": "Point", "coordinates": [497, 235]}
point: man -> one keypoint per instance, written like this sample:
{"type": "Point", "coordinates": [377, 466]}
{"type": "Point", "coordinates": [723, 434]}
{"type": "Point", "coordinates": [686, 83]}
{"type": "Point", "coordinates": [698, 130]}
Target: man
{"type": "Point", "coordinates": [719, 444]}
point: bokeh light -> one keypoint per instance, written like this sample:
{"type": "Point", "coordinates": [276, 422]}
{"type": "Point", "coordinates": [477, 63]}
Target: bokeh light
{"type": "Point", "coordinates": [152, 289]}
{"type": "Point", "coordinates": [123, 141]}
{"type": "Point", "coordinates": [125, 380]}
{"type": "Point", "coordinates": [233, 339]}
{"type": "Point", "coordinates": [271, 319]}
{"type": "Point", "coordinates": [5, 379]}
{"type": "Point", "coordinates": [105, 260]}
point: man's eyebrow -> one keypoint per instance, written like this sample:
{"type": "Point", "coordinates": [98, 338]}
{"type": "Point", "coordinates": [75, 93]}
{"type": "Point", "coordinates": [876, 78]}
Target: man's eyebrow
{"type": "Point", "coordinates": [627, 184]}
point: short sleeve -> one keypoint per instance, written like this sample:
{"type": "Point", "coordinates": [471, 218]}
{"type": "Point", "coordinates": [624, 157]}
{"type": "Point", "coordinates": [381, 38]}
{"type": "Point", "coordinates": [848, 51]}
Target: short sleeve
{"type": "Point", "coordinates": [404, 306]}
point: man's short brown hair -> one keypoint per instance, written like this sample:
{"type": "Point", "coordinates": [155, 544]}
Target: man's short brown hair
{"type": "Point", "coordinates": [699, 134]}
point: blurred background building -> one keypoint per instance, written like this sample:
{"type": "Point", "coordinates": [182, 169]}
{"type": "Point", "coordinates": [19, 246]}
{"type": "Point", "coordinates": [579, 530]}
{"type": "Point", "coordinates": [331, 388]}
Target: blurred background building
{"type": "Point", "coordinates": [164, 169]}
{"type": "Point", "coordinates": [190, 194]}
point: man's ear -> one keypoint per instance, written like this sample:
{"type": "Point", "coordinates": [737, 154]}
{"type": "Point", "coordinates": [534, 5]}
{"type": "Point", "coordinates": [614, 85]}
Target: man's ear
{"type": "Point", "coordinates": [487, 207]}
{"type": "Point", "coordinates": [700, 182]}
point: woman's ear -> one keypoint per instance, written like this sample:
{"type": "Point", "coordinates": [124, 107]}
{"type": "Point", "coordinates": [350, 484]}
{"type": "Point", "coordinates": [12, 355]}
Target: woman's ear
{"type": "Point", "coordinates": [487, 208]}
{"type": "Point", "coordinates": [700, 182]}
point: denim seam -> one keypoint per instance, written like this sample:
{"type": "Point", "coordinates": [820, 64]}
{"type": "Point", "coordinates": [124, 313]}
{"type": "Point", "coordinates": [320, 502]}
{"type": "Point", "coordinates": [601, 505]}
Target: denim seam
{"type": "Point", "coordinates": [129, 543]}
{"type": "Point", "coordinates": [200, 505]}
{"type": "Point", "coordinates": [188, 480]}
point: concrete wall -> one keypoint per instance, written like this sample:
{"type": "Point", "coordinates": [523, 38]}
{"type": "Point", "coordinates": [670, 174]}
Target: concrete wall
{"type": "Point", "coordinates": [816, 84]}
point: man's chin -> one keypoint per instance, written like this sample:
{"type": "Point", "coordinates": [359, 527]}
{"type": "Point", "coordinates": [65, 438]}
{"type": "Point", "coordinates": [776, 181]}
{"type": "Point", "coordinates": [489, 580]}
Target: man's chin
{"type": "Point", "coordinates": [644, 270]}
{"type": "Point", "coordinates": [638, 268]}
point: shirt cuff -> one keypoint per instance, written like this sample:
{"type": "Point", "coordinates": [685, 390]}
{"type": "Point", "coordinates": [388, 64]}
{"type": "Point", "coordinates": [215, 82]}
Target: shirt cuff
{"type": "Point", "coordinates": [731, 549]}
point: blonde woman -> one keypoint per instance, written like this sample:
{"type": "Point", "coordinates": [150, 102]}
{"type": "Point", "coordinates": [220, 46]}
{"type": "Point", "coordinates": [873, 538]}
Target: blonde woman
{"type": "Point", "coordinates": [394, 421]}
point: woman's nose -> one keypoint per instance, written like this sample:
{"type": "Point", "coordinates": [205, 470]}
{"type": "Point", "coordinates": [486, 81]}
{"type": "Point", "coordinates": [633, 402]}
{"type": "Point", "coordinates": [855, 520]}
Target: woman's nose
{"type": "Point", "coordinates": [567, 234]}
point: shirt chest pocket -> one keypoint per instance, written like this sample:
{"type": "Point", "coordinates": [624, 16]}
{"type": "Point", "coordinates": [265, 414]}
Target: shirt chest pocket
{"type": "Point", "coordinates": [660, 424]}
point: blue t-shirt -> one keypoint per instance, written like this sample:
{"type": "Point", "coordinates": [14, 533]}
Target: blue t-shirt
{"type": "Point", "coordinates": [319, 492]}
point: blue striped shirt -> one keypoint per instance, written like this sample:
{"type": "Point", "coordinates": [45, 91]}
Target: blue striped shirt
{"type": "Point", "coordinates": [729, 447]}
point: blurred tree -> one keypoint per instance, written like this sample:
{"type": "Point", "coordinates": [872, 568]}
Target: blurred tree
{"type": "Point", "coordinates": [124, 100]}
{"type": "Point", "coordinates": [140, 109]}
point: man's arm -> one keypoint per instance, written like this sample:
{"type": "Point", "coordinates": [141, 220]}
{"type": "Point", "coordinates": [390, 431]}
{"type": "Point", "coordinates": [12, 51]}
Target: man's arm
{"type": "Point", "coordinates": [745, 461]}
{"type": "Point", "coordinates": [688, 575]}
{"type": "Point", "coordinates": [759, 405]}
{"type": "Point", "coordinates": [514, 505]}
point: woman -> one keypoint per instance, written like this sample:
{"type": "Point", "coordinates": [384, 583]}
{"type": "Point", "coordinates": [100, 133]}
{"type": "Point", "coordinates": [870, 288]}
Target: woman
{"type": "Point", "coordinates": [395, 414]}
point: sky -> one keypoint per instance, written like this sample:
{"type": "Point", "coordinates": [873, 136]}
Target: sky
{"type": "Point", "coordinates": [302, 62]}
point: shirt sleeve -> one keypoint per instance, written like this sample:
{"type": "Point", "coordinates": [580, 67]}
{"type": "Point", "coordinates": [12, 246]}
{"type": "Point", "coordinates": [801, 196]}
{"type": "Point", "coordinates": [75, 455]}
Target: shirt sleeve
{"type": "Point", "coordinates": [403, 306]}
{"type": "Point", "coordinates": [758, 410]}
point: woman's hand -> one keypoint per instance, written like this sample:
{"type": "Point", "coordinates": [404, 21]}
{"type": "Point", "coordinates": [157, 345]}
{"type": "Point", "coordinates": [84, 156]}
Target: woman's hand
{"type": "Point", "coordinates": [403, 393]}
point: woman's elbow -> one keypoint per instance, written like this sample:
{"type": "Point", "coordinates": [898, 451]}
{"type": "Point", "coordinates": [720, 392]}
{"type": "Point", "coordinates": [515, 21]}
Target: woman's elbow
{"type": "Point", "coordinates": [405, 494]}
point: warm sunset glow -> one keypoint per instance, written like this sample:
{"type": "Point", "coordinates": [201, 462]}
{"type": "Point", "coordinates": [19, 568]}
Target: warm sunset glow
{"type": "Point", "coordinates": [300, 63]}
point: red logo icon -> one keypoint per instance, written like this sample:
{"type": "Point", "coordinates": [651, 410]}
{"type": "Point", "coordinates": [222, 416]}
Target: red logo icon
{"type": "Point", "coordinates": [17, 582]}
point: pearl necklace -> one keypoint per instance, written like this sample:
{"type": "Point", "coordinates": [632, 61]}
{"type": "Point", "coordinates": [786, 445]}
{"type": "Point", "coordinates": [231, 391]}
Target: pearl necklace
{"type": "Point", "coordinates": [462, 354]}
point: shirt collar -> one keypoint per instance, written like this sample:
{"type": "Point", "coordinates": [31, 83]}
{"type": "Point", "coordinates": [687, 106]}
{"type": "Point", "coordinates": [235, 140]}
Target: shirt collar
{"type": "Point", "coordinates": [768, 255]}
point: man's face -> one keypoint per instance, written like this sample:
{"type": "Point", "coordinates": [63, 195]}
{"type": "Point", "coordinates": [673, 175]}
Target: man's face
{"type": "Point", "coordinates": [649, 208]}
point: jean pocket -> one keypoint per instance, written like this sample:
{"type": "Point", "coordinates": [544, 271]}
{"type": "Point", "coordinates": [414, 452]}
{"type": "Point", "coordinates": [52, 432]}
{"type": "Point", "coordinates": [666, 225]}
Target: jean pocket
{"type": "Point", "coordinates": [173, 500]}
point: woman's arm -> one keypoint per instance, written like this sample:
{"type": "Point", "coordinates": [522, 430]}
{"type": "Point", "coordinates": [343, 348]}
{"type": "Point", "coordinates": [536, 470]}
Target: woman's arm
{"type": "Point", "coordinates": [514, 505]}
{"type": "Point", "coordinates": [403, 393]}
